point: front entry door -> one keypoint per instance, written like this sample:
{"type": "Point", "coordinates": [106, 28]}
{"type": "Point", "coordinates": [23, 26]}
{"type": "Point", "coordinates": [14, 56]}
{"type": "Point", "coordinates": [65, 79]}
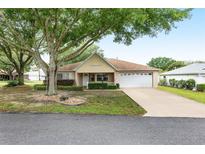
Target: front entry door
{"type": "Point", "coordinates": [85, 79]}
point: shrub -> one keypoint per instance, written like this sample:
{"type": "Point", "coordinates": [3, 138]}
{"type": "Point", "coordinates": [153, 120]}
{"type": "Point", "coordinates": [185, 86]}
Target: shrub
{"type": "Point", "coordinates": [200, 87]}
{"type": "Point", "coordinates": [190, 84]}
{"type": "Point", "coordinates": [172, 82]}
{"type": "Point", "coordinates": [12, 83]}
{"type": "Point", "coordinates": [163, 82]}
{"type": "Point", "coordinates": [176, 83]}
{"type": "Point", "coordinates": [181, 84]}
{"type": "Point", "coordinates": [71, 88]}
{"type": "Point", "coordinates": [100, 85]}
{"type": "Point", "coordinates": [97, 85]}
{"type": "Point", "coordinates": [63, 82]}
{"type": "Point", "coordinates": [68, 88]}
{"type": "Point", "coordinates": [111, 87]}
{"type": "Point", "coordinates": [39, 87]}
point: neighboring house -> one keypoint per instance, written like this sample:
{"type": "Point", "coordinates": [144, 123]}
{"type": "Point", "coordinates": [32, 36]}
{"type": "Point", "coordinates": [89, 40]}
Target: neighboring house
{"type": "Point", "coordinates": [3, 76]}
{"type": "Point", "coordinates": [35, 74]}
{"type": "Point", "coordinates": [194, 71]}
{"type": "Point", "coordinates": [98, 69]}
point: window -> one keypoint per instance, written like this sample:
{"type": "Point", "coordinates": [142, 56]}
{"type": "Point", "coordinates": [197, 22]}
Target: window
{"type": "Point", "coordinates": [92, 77]}
{"type": "Point", "coordinates": [66, 76]}
{"type": "Point", "coordinates": [102, 77]}
{"type": "Point", "coordinates": [59, 76]}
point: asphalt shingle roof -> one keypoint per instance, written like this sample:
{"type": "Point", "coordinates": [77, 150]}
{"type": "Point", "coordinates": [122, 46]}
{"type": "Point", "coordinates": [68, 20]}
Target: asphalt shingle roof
{"type": "Point", "coordinates": [120, 65]}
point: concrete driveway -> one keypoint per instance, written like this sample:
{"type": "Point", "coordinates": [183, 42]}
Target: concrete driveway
{"type": "Point", "coordinates": [163, 104]}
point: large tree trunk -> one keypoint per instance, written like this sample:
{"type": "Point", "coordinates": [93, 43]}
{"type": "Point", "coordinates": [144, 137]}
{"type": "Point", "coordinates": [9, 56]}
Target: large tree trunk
{"type": "Point", "coordinates": [52, 87]}
{"type": "Point", "coordinates": [10, 75]}
{"type": "Point", "coordinates": [51, 83]}
{"type": "Point", "coordinates": [21, 78]}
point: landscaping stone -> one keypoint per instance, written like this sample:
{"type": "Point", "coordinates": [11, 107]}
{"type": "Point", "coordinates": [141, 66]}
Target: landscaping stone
{"type": "Point", "coordinates": [74, 101]}
{"type": "Point", "coordinates": [62, 98]}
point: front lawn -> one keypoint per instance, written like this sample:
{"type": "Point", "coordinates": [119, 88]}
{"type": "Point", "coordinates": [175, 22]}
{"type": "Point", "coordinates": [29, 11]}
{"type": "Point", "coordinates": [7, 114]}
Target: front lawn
{"type": "Point", "coordinates": [27, 82]}
{"type": "Point", "coordinates": [3, 83]}
{"type": "Point", "coordinates": [20, 99]}
{"type": "Point", "coordinates": [197, 96]}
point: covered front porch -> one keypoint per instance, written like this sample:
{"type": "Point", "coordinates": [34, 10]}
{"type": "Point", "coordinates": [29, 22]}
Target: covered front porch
{"type": "Point", "coordinates": [84, 78]}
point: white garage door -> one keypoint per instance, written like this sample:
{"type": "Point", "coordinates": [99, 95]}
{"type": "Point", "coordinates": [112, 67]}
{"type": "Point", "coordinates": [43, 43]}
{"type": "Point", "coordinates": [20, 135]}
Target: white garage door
{"type": "Point", "coordinates": [135, 80]}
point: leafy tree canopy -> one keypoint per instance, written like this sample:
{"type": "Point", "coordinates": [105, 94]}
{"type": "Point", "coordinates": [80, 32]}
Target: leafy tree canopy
{"type": "Point", "coordinates": [56, 31]}
{"type": "Point", "coordinates": [161, 62]}
{"type": "Point", "coordinates": [5, 64]}
{"type": "Point", "coordinates": [166, 64]}
{"type": "Point", "coordinates": [176, 65]}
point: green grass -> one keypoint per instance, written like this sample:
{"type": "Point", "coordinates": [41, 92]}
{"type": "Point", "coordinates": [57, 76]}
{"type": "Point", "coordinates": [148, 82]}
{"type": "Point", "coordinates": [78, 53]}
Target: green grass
{"type": "Point", "coordinates": [3, 83]}
{"type": "Point", "coordinates": [98, 102]}
{"type": "Point", "coordinates": [27, 82]}
{"type": "Point", "coordinates": [197, 96]}
{"type": "Point", "coordinates": [32, 83]}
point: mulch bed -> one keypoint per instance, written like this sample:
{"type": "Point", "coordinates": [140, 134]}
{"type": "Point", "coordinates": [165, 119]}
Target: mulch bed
{"type": "Point", "coordinates": [63, 98]}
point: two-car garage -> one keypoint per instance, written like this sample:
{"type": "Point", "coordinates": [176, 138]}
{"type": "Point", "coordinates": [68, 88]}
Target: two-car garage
{"type": "Point", "coordinates": [134, 79]}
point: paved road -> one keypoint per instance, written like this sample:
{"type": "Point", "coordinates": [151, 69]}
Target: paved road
{"type": "Point", "coordinates": [158, 103]}
{"type": "Point", "coordinates": [92, 129]}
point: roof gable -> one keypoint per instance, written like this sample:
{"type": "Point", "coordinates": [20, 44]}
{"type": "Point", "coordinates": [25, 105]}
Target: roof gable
{"type": "Point", "coordinates": [95, 63]}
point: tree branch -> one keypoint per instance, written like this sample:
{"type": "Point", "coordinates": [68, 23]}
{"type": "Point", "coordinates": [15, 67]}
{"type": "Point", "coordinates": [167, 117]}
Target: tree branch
{"type": "Point", "coordinates": [63, 34]}
{"type": "Point", "coordinates": [78, 52]}
{"type": "Point", "coordinates": [15, 45]}
{"type": "Point", "coordinates": [97, 34]}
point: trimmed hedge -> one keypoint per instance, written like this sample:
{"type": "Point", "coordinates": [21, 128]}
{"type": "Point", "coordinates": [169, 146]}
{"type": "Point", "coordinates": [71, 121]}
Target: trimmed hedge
{"type": "Point", "coordinates": [98, 85]}
{"type": "Point", "coordinates": [112, 87]}
{"type": "Point", "coordinates": [200, 87]}
{"type": "Point", "coordinates": [68, 88]}
{"type": "Point", "coordinates": [63, 82]}
{"type": "Point", "coordinates": [71, 88]}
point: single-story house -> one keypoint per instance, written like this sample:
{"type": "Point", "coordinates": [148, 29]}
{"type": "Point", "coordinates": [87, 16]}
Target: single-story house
{"type": "Point", "coordinates": [97, 69]}
{"type": "Point", "coordinates": [194, 71]}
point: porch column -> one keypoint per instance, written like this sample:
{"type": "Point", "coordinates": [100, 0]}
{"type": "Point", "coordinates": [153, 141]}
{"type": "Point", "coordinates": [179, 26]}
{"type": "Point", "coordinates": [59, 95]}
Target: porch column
{"type": "Point", "coordinates": [115, 77]}
{"type": "Point", "coordinates": [95, 77]}
{"type": "Point", "coordinates": [76, 79]}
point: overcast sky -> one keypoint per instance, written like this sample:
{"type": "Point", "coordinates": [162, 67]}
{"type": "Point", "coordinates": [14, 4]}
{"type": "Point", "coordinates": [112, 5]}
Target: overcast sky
{"type": "Point", "coordinates": [187, 42]}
